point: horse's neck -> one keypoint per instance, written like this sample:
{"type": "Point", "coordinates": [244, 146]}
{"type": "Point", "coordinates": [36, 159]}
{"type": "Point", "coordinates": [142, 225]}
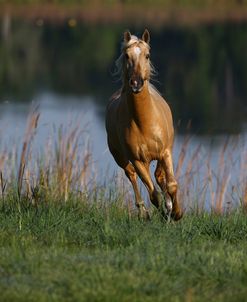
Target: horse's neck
{"type": "Point", "coordinates": [140, 105]}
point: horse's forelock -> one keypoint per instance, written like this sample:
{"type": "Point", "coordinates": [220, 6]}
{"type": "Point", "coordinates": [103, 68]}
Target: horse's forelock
{"type": "Point", "coordinates": [132, 41]}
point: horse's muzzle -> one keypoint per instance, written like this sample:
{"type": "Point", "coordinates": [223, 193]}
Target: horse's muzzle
{"type": "Point", "coordinates": [136, 84]}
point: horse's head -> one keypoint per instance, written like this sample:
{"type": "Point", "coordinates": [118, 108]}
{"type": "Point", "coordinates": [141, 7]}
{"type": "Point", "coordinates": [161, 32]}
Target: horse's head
{"type": "Point", "coordinates": [137, 67]}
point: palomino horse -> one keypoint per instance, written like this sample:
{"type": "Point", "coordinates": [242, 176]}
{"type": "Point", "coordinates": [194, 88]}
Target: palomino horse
{"type": "Point", "coordinates": [140, 128]}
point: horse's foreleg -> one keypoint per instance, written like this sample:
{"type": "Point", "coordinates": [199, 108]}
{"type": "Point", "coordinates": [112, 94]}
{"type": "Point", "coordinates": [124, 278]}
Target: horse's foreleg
{"type": "Point", "coordinates": [171, 185]}
{"type": "Point", "coordinates": [132, 176]}
{"type": "Point", "coordinates": [142, 170]}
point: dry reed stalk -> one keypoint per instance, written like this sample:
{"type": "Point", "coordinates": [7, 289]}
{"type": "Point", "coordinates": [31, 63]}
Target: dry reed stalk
{"type": "Point", "coordinates": [189, 173]}
{"type": "Point", "coordinates": [3, 185]}
{"type": "Point", "coordinates": [221, 192]}
{"type": "Point", "coordinates": [70, 168]}
{"type": "Point", "coordinates": [211, 187]}
{"type": "Point", "coordinates": [45, 173]}
{"type": "Point", "coordinates": [12, 164]}
{"type": "Point", "coordinates": [244, 179]}
{"type": "Point", "coordinates": [84, 170]}
{"type": "Point", "coordinates": [28, 184]}
{"type": "Point", "coordinates": [182, 156]}
{"type": "Point", "coordinates": [245, 197]}
{"type": "Point", "coordinates": [2, 161]}
{"type": "Point", "coordinates": [222, 185]}
{"type": "Point", "coordinates": [71, 158]}
{"type": "Point", "coordinates": [227, 166]}
{"type": "Point", "coordinates": [56, 178]}
{"type": "Point", "coordinates": [32, 125]}
{"type": "Point", "coordinates": [192, 160]}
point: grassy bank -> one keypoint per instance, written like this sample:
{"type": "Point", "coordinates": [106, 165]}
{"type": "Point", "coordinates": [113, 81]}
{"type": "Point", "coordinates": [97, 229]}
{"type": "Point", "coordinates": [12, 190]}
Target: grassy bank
{"type": "Point", "coordinates": [86, 251]}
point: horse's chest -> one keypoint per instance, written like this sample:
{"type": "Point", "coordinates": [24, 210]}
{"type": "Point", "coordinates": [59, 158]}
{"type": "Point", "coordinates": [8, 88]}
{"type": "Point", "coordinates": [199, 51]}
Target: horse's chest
{"type": "Point", "coordinates": [143, 145]}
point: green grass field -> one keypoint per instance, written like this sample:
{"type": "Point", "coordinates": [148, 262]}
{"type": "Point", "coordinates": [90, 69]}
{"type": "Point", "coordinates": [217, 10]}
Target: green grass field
{"type": "Point", "coordinates": [87, 251]}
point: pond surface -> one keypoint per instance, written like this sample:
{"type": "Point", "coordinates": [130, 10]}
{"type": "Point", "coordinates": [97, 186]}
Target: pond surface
{"type": "Point", "coordinates": [70, 111]}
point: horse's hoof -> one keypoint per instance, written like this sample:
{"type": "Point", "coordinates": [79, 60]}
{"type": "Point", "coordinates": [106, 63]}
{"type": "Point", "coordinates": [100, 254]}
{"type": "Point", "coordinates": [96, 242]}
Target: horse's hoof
{"type": "Point", "coordinates": [176, 215]}
{"type": "Point", "coordinates": [172, 215]}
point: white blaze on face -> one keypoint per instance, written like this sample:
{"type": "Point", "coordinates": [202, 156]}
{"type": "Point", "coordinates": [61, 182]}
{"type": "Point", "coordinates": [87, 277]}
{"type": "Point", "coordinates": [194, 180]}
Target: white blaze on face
{"type": "Point", "coordinates": [137, 51]}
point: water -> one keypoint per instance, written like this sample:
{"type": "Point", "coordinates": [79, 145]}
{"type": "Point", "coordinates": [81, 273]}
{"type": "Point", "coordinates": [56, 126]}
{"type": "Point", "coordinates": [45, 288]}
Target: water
{"type": "Point", "coordinates": [57, 110]}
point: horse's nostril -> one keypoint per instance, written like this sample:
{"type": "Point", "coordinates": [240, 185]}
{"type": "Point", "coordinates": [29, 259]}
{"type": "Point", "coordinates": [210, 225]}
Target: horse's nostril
{"type": "Point", "coordinates": [136, 82]}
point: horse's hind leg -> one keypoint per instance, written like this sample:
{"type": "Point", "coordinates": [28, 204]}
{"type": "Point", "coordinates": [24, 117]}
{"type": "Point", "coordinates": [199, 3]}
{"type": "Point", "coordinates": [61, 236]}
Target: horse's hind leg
{"type": "Point", "coordinates": [142, 170]}
{"type": "Point", "coordinates": [171, 185]}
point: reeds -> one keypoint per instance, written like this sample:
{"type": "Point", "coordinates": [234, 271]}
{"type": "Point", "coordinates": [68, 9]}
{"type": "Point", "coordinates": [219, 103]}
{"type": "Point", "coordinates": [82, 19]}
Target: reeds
{"type": "Point", "coordinates": [63, 167]}
{"type": "Point", "coordinates": [213, 180]}
{"type": "Point", "coordinates": [32, 124]}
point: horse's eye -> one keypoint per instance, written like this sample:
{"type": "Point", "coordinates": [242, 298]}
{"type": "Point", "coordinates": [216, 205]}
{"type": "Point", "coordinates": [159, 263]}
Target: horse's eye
{"type": "Point", "coordinates": [147, 56]}
{"type": "Point", "coordinates": [127, 56]}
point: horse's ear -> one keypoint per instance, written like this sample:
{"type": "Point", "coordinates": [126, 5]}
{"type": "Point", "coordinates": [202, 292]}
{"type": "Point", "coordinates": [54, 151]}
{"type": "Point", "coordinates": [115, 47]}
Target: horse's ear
{"type": "Point", "coordinates": [146, 36]}
{"type": "Point", "coordinates": [127, 36]}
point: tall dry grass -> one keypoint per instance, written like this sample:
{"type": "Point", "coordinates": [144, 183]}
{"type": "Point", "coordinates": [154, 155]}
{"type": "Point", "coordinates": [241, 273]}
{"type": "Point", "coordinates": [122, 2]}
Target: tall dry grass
{"type": "Point", "coordinates": [213, 180]}
{"type": "Point", "coordinates": [64, 167]}
{"type": "Point", "coordinates": [61, 167]}
{"type": "Point", "coordinates": [32, 124]}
